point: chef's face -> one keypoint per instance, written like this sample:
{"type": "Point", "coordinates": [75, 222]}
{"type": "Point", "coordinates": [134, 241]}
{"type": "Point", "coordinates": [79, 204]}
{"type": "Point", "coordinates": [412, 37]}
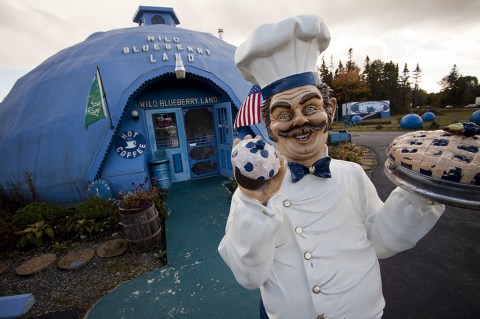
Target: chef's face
{"type": "Point", "coordinates": [299, 123]}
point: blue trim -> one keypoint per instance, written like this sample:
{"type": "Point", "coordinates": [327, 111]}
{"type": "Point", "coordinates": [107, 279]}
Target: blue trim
{"type": "Point", "coordinates": [289, 82]}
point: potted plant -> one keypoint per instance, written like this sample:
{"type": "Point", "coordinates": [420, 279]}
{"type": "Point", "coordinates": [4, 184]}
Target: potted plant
{"type": "Point", "coordinates": [142, 211]}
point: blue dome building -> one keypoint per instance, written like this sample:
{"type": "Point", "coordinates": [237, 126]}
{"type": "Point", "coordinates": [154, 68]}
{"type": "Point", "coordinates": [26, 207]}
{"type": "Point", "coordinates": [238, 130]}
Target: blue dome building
{"type": "Point", "coordinates": [152, 111]}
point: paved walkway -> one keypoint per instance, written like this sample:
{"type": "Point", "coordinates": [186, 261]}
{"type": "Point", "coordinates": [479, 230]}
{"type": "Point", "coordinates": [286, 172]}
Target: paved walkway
{"type": "Point", "coordinates": [196, 283]}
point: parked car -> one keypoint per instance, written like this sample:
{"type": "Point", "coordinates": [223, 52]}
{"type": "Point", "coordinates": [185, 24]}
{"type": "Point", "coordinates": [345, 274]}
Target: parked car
{"type": "Point", "coordinates": [471, 105]}
{"type": "Point", "coordinates": [449, 107]}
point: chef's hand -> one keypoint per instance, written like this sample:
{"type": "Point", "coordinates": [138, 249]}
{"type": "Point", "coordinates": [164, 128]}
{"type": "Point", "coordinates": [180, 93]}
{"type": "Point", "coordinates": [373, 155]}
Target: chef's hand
{"type": "Point", "coordinates": [271, 186]}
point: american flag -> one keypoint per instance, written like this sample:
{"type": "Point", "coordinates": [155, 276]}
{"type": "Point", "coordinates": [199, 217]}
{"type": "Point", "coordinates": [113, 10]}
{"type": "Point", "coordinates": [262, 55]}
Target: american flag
{"type": "Point", "coordinates": [249, 113]}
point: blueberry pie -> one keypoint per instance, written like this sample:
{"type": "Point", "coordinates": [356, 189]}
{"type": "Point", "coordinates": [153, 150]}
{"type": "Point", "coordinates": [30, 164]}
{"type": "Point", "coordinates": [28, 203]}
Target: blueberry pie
{"type": "Point", "coordinates": [451, 154]}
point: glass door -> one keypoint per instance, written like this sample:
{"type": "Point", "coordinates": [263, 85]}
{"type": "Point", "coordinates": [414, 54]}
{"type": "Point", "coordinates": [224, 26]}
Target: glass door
{"type": "Point", "coordinates": [201, 141]}
{"type": "Point", "coordinates": [224, 130]}
{"type": "Point", "coordinates": [166, 134]}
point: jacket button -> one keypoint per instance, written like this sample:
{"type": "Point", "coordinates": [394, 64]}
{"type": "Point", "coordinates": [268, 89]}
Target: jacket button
{"type": "Point", "coordinates": [298, 230]}
{"type": "Point", "coordinates": [307, 255]}
{"type": "Point", "coordinates": [316, 289]}
{"type": "Point", "coordinates": [287, 203]}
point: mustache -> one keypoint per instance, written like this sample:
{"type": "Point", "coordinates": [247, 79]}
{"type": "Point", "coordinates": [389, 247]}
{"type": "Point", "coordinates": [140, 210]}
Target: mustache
{"type": "Point", "coordinates": [304, 129]}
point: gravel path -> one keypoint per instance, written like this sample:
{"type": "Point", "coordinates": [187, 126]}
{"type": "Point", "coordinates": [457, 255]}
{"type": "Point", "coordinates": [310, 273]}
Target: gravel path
{"type": "Point", "coordinates": [69, 294]}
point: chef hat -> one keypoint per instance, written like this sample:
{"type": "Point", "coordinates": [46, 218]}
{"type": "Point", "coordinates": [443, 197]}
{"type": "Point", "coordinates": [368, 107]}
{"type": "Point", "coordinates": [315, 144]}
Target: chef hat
{"type": "Point", "coordinates": [283, 55]}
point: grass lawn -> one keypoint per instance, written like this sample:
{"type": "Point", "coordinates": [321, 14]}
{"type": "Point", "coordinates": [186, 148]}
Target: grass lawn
{"type": "Point", "coordinates": [444, 117]}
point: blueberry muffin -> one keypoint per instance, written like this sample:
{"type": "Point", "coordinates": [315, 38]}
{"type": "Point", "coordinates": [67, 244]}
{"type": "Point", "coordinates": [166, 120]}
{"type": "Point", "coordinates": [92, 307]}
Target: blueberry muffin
{"type": "Point", "coordinates": [254, 163]}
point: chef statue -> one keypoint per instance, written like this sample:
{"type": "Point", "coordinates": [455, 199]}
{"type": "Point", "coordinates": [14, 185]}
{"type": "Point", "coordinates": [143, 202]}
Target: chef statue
{"type": "Point", "coordinates": [310, 236]}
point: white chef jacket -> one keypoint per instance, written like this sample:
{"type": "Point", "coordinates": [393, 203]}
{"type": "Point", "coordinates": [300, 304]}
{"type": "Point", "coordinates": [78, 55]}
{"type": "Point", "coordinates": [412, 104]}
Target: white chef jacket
{"type": "Point", "coordinates": [313, 249]}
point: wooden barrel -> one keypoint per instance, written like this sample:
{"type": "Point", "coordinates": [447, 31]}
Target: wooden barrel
{"type": "Point", "coordinates": [142, 228]}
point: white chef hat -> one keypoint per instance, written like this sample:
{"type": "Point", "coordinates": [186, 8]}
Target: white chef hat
{"type": "Point", "coordinates": [283, 55]}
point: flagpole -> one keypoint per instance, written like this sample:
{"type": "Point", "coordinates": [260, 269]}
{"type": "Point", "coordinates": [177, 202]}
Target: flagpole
{"type": "Point", "coordinates": [104, 95]}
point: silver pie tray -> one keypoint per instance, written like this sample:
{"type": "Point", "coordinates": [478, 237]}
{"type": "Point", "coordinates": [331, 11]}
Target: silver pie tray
{"type": "Point", "coordinates": [440, 191]}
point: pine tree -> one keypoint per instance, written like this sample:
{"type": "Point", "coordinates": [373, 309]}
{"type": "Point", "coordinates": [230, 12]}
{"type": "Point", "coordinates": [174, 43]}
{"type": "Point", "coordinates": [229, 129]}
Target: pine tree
{"type": "Point", "coordinates": [351, 66]}
{"type": "Point", "coordinates": [416, 84]}
{"type": "Point", "coordinates": [404, 82]}
{"type": "Point", "coordinates": [325, 74]}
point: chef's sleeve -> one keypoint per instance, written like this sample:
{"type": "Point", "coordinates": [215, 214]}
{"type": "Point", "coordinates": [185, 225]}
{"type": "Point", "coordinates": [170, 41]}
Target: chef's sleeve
{"type": "Point", "coordinates": [400, 222]}
{"type": "Point", "coordinates": [248, 245]}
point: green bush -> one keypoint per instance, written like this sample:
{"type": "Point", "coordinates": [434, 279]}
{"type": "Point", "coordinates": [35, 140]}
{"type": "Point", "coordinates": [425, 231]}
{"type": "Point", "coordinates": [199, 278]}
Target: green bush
{"type": "Point", "coordinates": [95, 208]}
{"type": "Point", "coordinates": [160, 205]}
{"type": "Point", "coordinates": [347, 152]}
{"type": "Point", "coordinates": [27, 215]}
{"type": "Point", "coordinates": [434, 125]}
{"type": "Point", "coordinates": [93, 216]}
{"type": "Point", "coordinates": [85, 227]}
{"type": "Point", "coordinates": [37, 211]}
{"type": "Point", "coordinates": [34, 234]}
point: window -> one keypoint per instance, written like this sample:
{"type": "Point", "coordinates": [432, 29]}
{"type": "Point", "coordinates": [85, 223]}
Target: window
{"type": "Point", "coordinates": [166, 132]}
{"type": "Point", "coordinates": [156, 19]}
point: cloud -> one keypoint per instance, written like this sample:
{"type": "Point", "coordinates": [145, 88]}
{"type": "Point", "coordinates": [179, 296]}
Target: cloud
{"type": "Point", "coordinates": [434, 33]}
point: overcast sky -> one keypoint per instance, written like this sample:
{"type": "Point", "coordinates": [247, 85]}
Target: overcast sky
{"type": "Point", "coordinates": [434, 33]}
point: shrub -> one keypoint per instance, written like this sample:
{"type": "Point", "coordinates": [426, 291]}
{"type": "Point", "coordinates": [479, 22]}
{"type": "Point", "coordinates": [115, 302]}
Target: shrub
{"type": "Point", "coordinates": [37, 211]}
{"type": "Point", "coordinates": [84, 226]}
{"type": "Point", "coordinates": [92, 216]}
{"type": "Point", "coordinates": [34, 234]}
{"type": "Point", "coordinates": [347, 152]}
{"type": "Point", "coordinates": [95, 208]}
{"type": "Point", "coordinates": [160, 205]}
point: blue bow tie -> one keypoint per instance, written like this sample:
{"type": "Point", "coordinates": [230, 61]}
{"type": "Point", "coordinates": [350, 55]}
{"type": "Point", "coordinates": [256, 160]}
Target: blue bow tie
{"type": "Point", "coordinates": [320, 168]}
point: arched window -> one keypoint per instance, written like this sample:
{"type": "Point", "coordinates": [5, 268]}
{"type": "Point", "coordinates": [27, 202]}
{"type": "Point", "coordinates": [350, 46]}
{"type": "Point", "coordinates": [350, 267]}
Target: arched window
{"type": "Point", "coordinates": [156, 19]}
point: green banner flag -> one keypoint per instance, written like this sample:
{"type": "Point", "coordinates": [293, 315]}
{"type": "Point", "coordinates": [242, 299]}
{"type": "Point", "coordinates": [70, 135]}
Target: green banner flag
{"type": "Point", "coordinates": [95, 108]}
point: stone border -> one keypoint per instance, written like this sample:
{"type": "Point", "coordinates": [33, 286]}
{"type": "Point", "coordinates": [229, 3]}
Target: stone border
{"type": "Point", "coordinates": [35, 264]}
{"type": "Point", "coordinates": [369, 160]}
{"type": "Point", "coordinates": [112, 248]}
{"type": "Point", "coordinates": [76, 259]}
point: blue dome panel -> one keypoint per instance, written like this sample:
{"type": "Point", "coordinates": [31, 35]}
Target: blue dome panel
{"type": "Point", "coordinates": [42, 129]}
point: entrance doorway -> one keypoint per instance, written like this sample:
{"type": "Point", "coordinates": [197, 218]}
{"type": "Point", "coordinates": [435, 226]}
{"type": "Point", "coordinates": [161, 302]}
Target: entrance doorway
{"type": "Point", "coordinates": [201, 141]}
{"type": "Point", "coordinates": [196, 140]}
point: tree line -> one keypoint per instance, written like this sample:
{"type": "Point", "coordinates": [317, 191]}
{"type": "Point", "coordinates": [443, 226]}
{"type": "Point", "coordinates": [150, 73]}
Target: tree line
{"type": "Point", "coordinates": [380, 80]}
